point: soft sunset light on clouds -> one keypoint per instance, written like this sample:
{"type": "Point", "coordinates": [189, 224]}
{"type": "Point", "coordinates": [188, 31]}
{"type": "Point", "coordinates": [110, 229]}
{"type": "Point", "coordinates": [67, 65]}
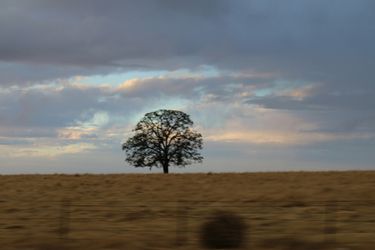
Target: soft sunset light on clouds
{"type": "Point", "coordinates": [271, 85]}
{"type": "Point", "coordinates": [45, 151]}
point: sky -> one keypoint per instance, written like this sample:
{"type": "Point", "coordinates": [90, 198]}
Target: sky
{"type": "Point", "coordinates": [271, 85]}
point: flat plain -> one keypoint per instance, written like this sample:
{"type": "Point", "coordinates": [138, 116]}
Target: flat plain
{"type": "Point", "coordinates": [286, 210]}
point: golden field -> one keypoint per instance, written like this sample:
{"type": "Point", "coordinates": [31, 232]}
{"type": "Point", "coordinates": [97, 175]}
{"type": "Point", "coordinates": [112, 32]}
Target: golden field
{"type": "Point", "coordinates": [294, 210]}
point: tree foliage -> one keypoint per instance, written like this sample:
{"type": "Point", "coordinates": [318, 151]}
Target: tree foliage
{"type": "Point", "coordinates": [164, 138]}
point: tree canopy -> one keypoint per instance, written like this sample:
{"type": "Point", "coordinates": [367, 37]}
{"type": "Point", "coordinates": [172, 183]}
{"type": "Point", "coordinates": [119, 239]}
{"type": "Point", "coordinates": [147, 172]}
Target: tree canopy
{"type": "Point", "coordinates": [164, 138]}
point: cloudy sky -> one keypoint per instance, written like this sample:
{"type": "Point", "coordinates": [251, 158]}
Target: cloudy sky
{"type": "Point", "coordinates": [271, 85]}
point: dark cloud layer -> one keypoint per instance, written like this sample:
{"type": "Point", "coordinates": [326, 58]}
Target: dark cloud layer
{"type": "Point", "coordinates": [327, 41]}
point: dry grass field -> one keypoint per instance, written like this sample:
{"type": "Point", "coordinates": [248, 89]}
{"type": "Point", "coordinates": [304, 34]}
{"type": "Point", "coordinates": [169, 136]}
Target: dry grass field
{"type": "Point", "coordinates": [297, 210]}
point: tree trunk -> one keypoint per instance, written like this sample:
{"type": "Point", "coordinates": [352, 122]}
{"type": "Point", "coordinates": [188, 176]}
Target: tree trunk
{"type": "Point", "coordinates": [165, 168]}
{"type": "Point", "coordinates": [165, 161]}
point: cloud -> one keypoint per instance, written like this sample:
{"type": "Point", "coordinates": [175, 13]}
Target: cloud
{"type": "Point", "coordinates": [253, 72]}
{"type": "Point", "coordinates": [223, 105]}
{"type": "Point", "coordinates": [283, 138]}
{"type": "Point", "coordinates": [318, 97]}
{"type": "Point", "coordinates": [44, 151]}
{"type": "Point", "coordinates": [103, 37]}
{"type": "Point", "coordinates": [76, 134]}
{"type": "Point", "coordinates": [327, 42]}
{"type": "Point", "coordinates": [333, 111]}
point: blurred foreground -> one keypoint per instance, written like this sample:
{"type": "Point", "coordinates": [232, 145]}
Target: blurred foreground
{"type": "Point", "coordinates": [331, 210]}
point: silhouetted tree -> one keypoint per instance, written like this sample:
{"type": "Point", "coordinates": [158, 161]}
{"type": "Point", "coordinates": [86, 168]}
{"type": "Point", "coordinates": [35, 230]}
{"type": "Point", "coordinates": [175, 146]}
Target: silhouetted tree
{"type": "Point", "coordinates": [164, 138]}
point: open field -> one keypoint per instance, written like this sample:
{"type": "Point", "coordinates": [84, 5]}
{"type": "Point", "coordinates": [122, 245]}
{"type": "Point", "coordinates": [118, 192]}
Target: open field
{"type": "Point", "coordinates": [297, 210]}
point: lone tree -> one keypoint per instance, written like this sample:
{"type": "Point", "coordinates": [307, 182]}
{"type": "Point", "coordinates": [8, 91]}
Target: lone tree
{"type": "Point", "coordinates": [163, 138]}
